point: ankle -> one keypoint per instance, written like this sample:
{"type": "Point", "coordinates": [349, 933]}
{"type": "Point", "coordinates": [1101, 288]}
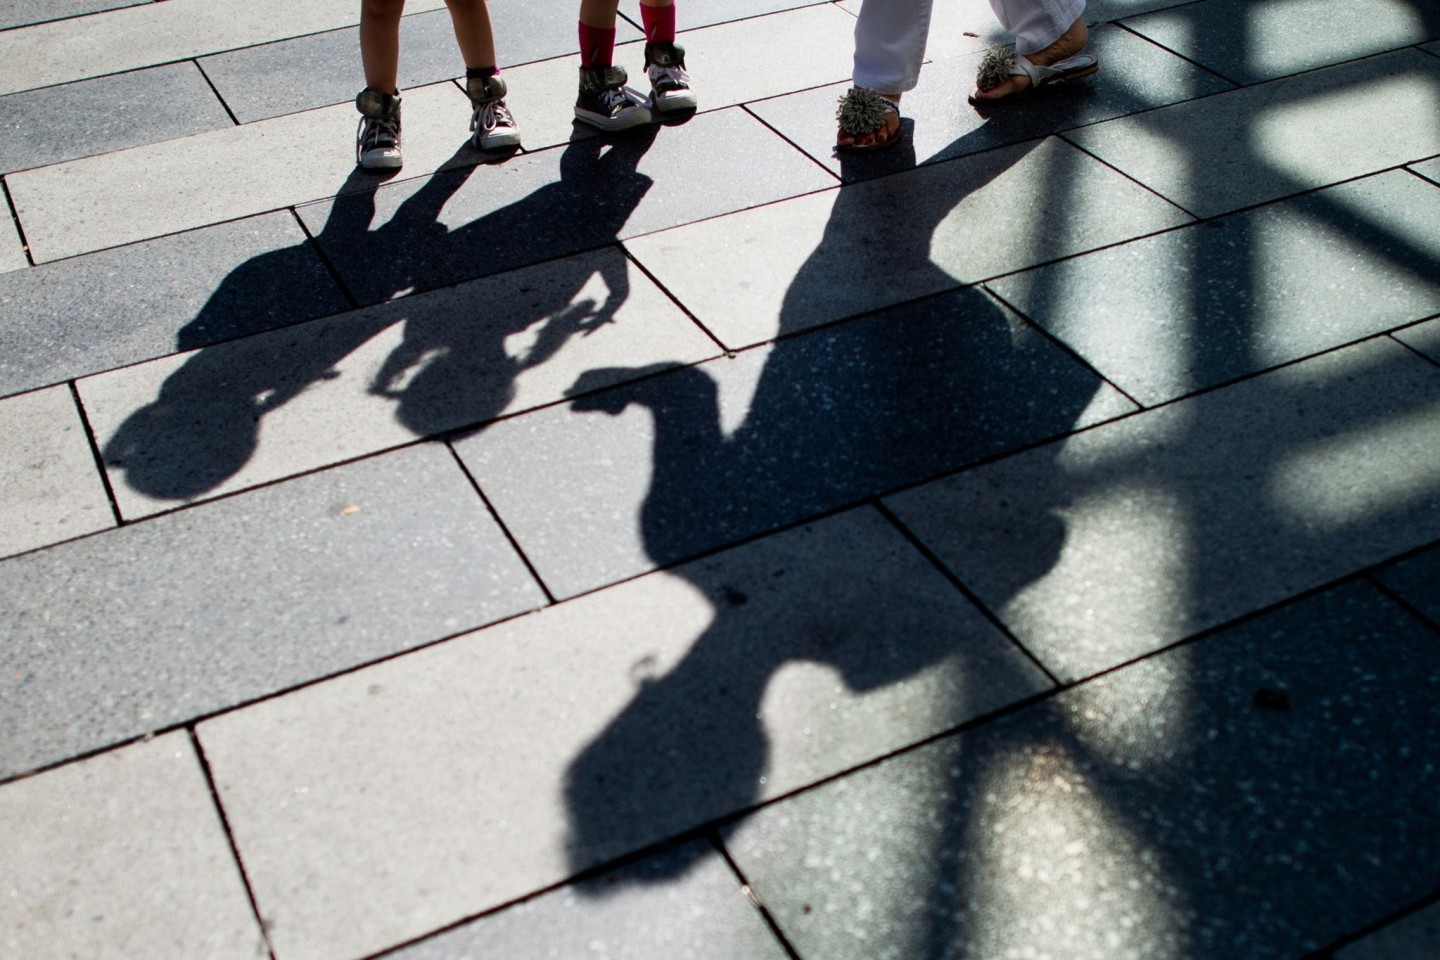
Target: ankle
{"type": "Point", "coordinates": [1071, 42]}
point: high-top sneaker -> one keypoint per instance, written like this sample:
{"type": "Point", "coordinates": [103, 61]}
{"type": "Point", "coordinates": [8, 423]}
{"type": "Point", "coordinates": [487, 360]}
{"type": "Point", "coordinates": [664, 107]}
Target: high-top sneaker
{"type": "Point", "coordinates": [606, 102]}
{"type": "Point", "coordinates": [491, 122]}
{"type": "Point", "coordinates": [377, 139]}
{"type": "Point", "coordinates": [669, 83]}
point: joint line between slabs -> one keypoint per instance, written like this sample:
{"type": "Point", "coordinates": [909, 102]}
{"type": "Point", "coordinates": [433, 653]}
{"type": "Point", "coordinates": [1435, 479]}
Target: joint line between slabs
{"type": "Point", "coordinates": [750, 895]}
{"type": "Point", "coordinates": [96, 454]}
{"type": "Point", "coordinates": [215, 90]}
{"type": "Point", "coordinates": [15, 219]}
{"type": "Point", "coordinates": [330, 269]}
{"type": "Point", "coordinates": [630, 258]}
{"type": "Point", "coordinates": [504, 528]}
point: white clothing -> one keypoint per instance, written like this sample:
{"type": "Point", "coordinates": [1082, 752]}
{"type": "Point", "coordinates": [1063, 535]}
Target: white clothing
{"type": "Point", "coordinates": [890, 36]}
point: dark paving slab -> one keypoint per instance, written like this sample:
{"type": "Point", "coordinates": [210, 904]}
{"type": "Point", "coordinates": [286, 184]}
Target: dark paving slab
{"type": "Point", "coordinates": [637, 913]}
{"type": "Point", "coordinates": [1418, 581]}
{"type": "Point", "coordinates": [1195, 307]}
{"type": "Point", "coordinates": [76, 317]}
{"type": "Point", "coordinates": [1103, 11]}
{"type": "Point", "coordinates": [19, 13]}
{"type": "Point", "coordinates": [479, 221]}
{"type": "Point", "coordinates": [1417, 935]}
{"type": "Point", "coordinates": [12, 248]}
{"type": "Point", "coordinates": [1255, 794]}
{"type": "Point", "coordinates": [107, 114]}
{"type": "Point", "coordinates": [1249, 42]}
{"type": "Point", "coordinates": [114, 636]}
{"type": "Point", "coordinates": [1424, 337]}
{"type": "Point", "coordinates": [511, 759]}
{"type": "Point", "coordinates": [324, 68]}
{"type": "Point", "coordinates": [941, 125]}
{"type": "Point", "coordinates": [711, 454]}
{"type": "Point", "coordinates": [1134, 535]}
{"type": "Point", "coordinates": [1261, 143]}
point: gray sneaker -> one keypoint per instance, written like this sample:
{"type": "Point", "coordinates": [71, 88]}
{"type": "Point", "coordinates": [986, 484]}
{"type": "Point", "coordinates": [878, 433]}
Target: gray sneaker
{"type": "Point", "coordinates": [606, 102]}
{"type": "Point", "coordinates": [377, 139]}
{"type": "Point", "coordinates": [491, 122]}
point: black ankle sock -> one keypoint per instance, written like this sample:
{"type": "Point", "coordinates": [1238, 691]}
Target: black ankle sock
{"type": "Point", "coordinates": [481, 73]}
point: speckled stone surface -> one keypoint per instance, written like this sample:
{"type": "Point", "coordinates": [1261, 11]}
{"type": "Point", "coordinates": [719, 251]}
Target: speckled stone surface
{"type": "Point", "coordinates": [1124, 539]}
{"type": "Point", "coordinates": [84, 205]}
{"type": "Point", "coordinates": [16, 13]}
{"type": "Point", "coordinates": [1417, 580]}
{"type": "Point", "coordinates": [324, 68]}
{"type": "Point", "coordinates": [1417, 935]}
{"type": "Point", "coordinates": [1249, 43]}
{"type": "Point", "coordinates": [108, 309]}
{"type": "Point", "coordinates": [610, 486]}
{"type": "Point", "coordinates": [637, 913]}
{"type": "Point", "coordinates": [487, 219]}
{"type": "Point", "coordinates": [1424, 337]}
{"type": "Point", "coordinates": [49, 489]}
{"type": "Point", "coordinates": [1232, 150]}
{"type": "Point", "coordinates": [1258, 793]}
{"type": "Point", "coordinates": [703, 13]}
{"type": "Point", "coordinates": [111, 113]}
{"type": "Point", "coordinates": [940, 125]}
{"type": "Point", "coordinates": [122, 855]}
{"type": "Point", "coordinates": [817, 259]}
{"type": "Point", "coordinates": [191, 427]}
{"type": "Point", "coordinates": [112, 637]}
{"type": "Point", "coordinates": [1196, 307]}
{"type": "Point", "coordinates": [1429, 169]}
{"type": "Point", "coordinates": [12, 248]}
{"type": "Point", "coordinates": [510, 759]}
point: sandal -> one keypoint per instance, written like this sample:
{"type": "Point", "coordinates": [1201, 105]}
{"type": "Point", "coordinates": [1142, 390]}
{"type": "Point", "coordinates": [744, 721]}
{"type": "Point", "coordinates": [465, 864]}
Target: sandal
{"type": "Point", "coordinates": [1001, 62]}
{"type": "Point", "coordinates": [863, 112]}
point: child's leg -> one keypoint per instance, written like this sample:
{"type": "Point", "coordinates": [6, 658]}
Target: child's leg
{"type": "Point", "coordinates": [491, 122]}
{"type": "Point", "coordinates": [472, 31]}
{"type": "Point", "coordinates": [597, 32]}
{"type": "Point", "coordinates": [380, 43]}
{"type": "Point", "coordinates": [658, 16]}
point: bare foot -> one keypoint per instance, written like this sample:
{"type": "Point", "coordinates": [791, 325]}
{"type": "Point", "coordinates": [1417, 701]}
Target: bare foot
{"type": "Point", "coordinates": [863, 141]}
{"type": "Point", "coordinates": [1071, 42]}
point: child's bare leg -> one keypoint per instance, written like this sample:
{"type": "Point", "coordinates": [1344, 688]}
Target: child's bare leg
{"type": "Point", "coordinates": [472, 31]}
{"type": "Point", "coordinates": [599, 13]}
{"type": "Point", "coordinates": [380, 43]}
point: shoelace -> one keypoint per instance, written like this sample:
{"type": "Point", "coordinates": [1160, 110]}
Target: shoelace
{"type": "Point", "coordinates": [488, 116]}
{"type": "Point", "coordinates": [371, 130]}
{"type": "Point", "coordinates": [614, 97]}
{"type": "Point", "coordinates": [674, 76]}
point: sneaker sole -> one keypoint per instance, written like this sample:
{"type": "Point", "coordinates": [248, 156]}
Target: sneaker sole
{"type": "Point", "coordinates": [381, 162]}
{"type": "Point", "coordinates": [674, 102]}
{"type": "Point", "coordinates": [498, 142]}
{"type": "Point", "coordinates": [634, 117]}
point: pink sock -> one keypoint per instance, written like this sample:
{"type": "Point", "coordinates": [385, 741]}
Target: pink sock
{"type": "Point", "coordinates": [597, 46]}
{"type": "Point", "coordinates": [659, 23]}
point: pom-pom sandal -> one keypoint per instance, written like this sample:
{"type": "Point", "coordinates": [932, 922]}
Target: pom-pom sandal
{"type": "Point", "coordinates": [1001, 62]}
{"type": "Point", "coordinates": [862, 112]}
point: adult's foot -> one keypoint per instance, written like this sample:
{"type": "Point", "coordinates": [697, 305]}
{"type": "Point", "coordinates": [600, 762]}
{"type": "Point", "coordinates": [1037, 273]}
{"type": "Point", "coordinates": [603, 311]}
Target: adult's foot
{"type": "Point", "coordinates": [1071, 42]}
{"type": "Point", "coordinates": [886, 134]}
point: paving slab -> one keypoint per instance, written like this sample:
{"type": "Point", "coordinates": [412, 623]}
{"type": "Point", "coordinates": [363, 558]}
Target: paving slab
{"type": "Point", "coordinates": [1429, 169]}
{"type": "Point", "coordinates": [649, 474]}
{"type": "Point", "coordinates": [1104, 11]}
{"type": "Point", "coordinates": [392, 801]}
{"type": "Point", "coordinates": [1424, 337]}
{"type": "Point", "coordinates": [704, 916]}
{"type": "Point", "coordinates": [1252, 794]}
{"type": "Point", "coordinates": [940, 125]}
{"type": "Point", "coordinates": [12, 248]}
{"type": "Point", "coordinates": [816, 259]}
{"type": "Point", "coordinates": [99, 202]}
{"type": "Point", "coordinates": [122, 855]}
{"type": "Point", "coordinates": [114, 636]}
{"type": "Point", "coordinates": [1248, 146]}
{"type": "Point", "coordinates": [104, 310]}
{"type": "Point", "coordinates": [472, 223]}
{"type": "Point", "coordinates": [324, 68]}
{"type": "Point", "coordinates": [19, 13]}
{"type": "Point", "coordinates": [154, 33]}
{"type": "Point", "coordinates": [1166, 315]}
{"type": "Point", "coordinates": [704, 13]}
{"type": "Point", "coordinates": [1249, 43]}
{"type": "Point", "coordinates": [1417, 935]}
{"type": "Point", "coordinates": [49, 488]}
{"type": "Point", "coordinates": [1117, 542]}
{"type": "Point", "coordinates": [364, 381]}
{"type": "Point", "coordinates": [1417, 580]}
{"type": "Point", "coordinates": [1432, 48]}
{"type": "Point", "coordinates": [110, 113]}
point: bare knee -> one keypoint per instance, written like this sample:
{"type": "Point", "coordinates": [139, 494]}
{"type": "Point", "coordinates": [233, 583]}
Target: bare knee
{"type": "Point", "coordinates": [382, 9]}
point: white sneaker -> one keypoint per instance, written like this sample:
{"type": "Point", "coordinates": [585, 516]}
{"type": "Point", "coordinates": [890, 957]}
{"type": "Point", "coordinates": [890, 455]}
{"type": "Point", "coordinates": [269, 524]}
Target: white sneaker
{"type": "Point", "coordinates": [377, 139]}
{"type": "Point", "coordinates": [492, 124]}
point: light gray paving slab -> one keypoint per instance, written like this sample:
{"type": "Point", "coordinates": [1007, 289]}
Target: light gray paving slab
{"type": "Point", "coordinates": [1104, 11]}
{"type": "Point", "coordinates": [808, 261]}
{"type": "Point", "coordinates": [653, 473]}
{"type": "Point", "coordinates": [704, 916]}
{"type": "Point", "coordinates": [471, 223]}
{"type": "Point", "coordinates": [122, 855]}
{"type": "Point", "coordinates": [939, 125]}
{"type": "Point", "coordinates": [1248, 146]}
{"type": "Point", "coordinates": [324, 68]}
{"type": "Point", "coordinates": [956, 28]}
{"type": "Point", "coordinates": [12, 248]}
{"type": "Point", "coordinates": [144, 35]}
{"type": "Point", "coordinates": [704, 13]}
{"type": "Point", "coordinates": [1429, 169]}
{"type": "Point", "coordinates": [151, 625]}
{"type": "Point", "coordinates": [1417, 935]}
{"type": "Point", "coordinates": [76, 317]}
{"type": "Point", "coordinates": [1167, 315]}
{"type": "Point", "coordinates": [49, 488]}
{"type": "Point", "coordinates": [111, 113]}
{"type": "Point", "coordinates": [1417, 580]}
{"type": "Point", "coordinates": [389, 802]}
{"type": "Point", "coordinates": [1259, 793]}
{"type": "Point", "coordinates": [1249, 42]}
{"type": "Point", "coordinates": [99, 202]}
{"type": "Point", "coordinates": [1121, 540]}
{"type": "Point", "coordinates": [1424, 337]}
{"type": "Point", "coordinates": [18, 13]}
{"type": "Point", "coordinates": [361, 382]}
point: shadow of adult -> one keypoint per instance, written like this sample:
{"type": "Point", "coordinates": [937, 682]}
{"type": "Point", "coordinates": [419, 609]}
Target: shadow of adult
{"type": "Point", "coordinates": [451, 369]}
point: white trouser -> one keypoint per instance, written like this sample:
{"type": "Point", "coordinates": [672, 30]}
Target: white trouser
{"type": "Point", "coordinates": [890, 36]}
